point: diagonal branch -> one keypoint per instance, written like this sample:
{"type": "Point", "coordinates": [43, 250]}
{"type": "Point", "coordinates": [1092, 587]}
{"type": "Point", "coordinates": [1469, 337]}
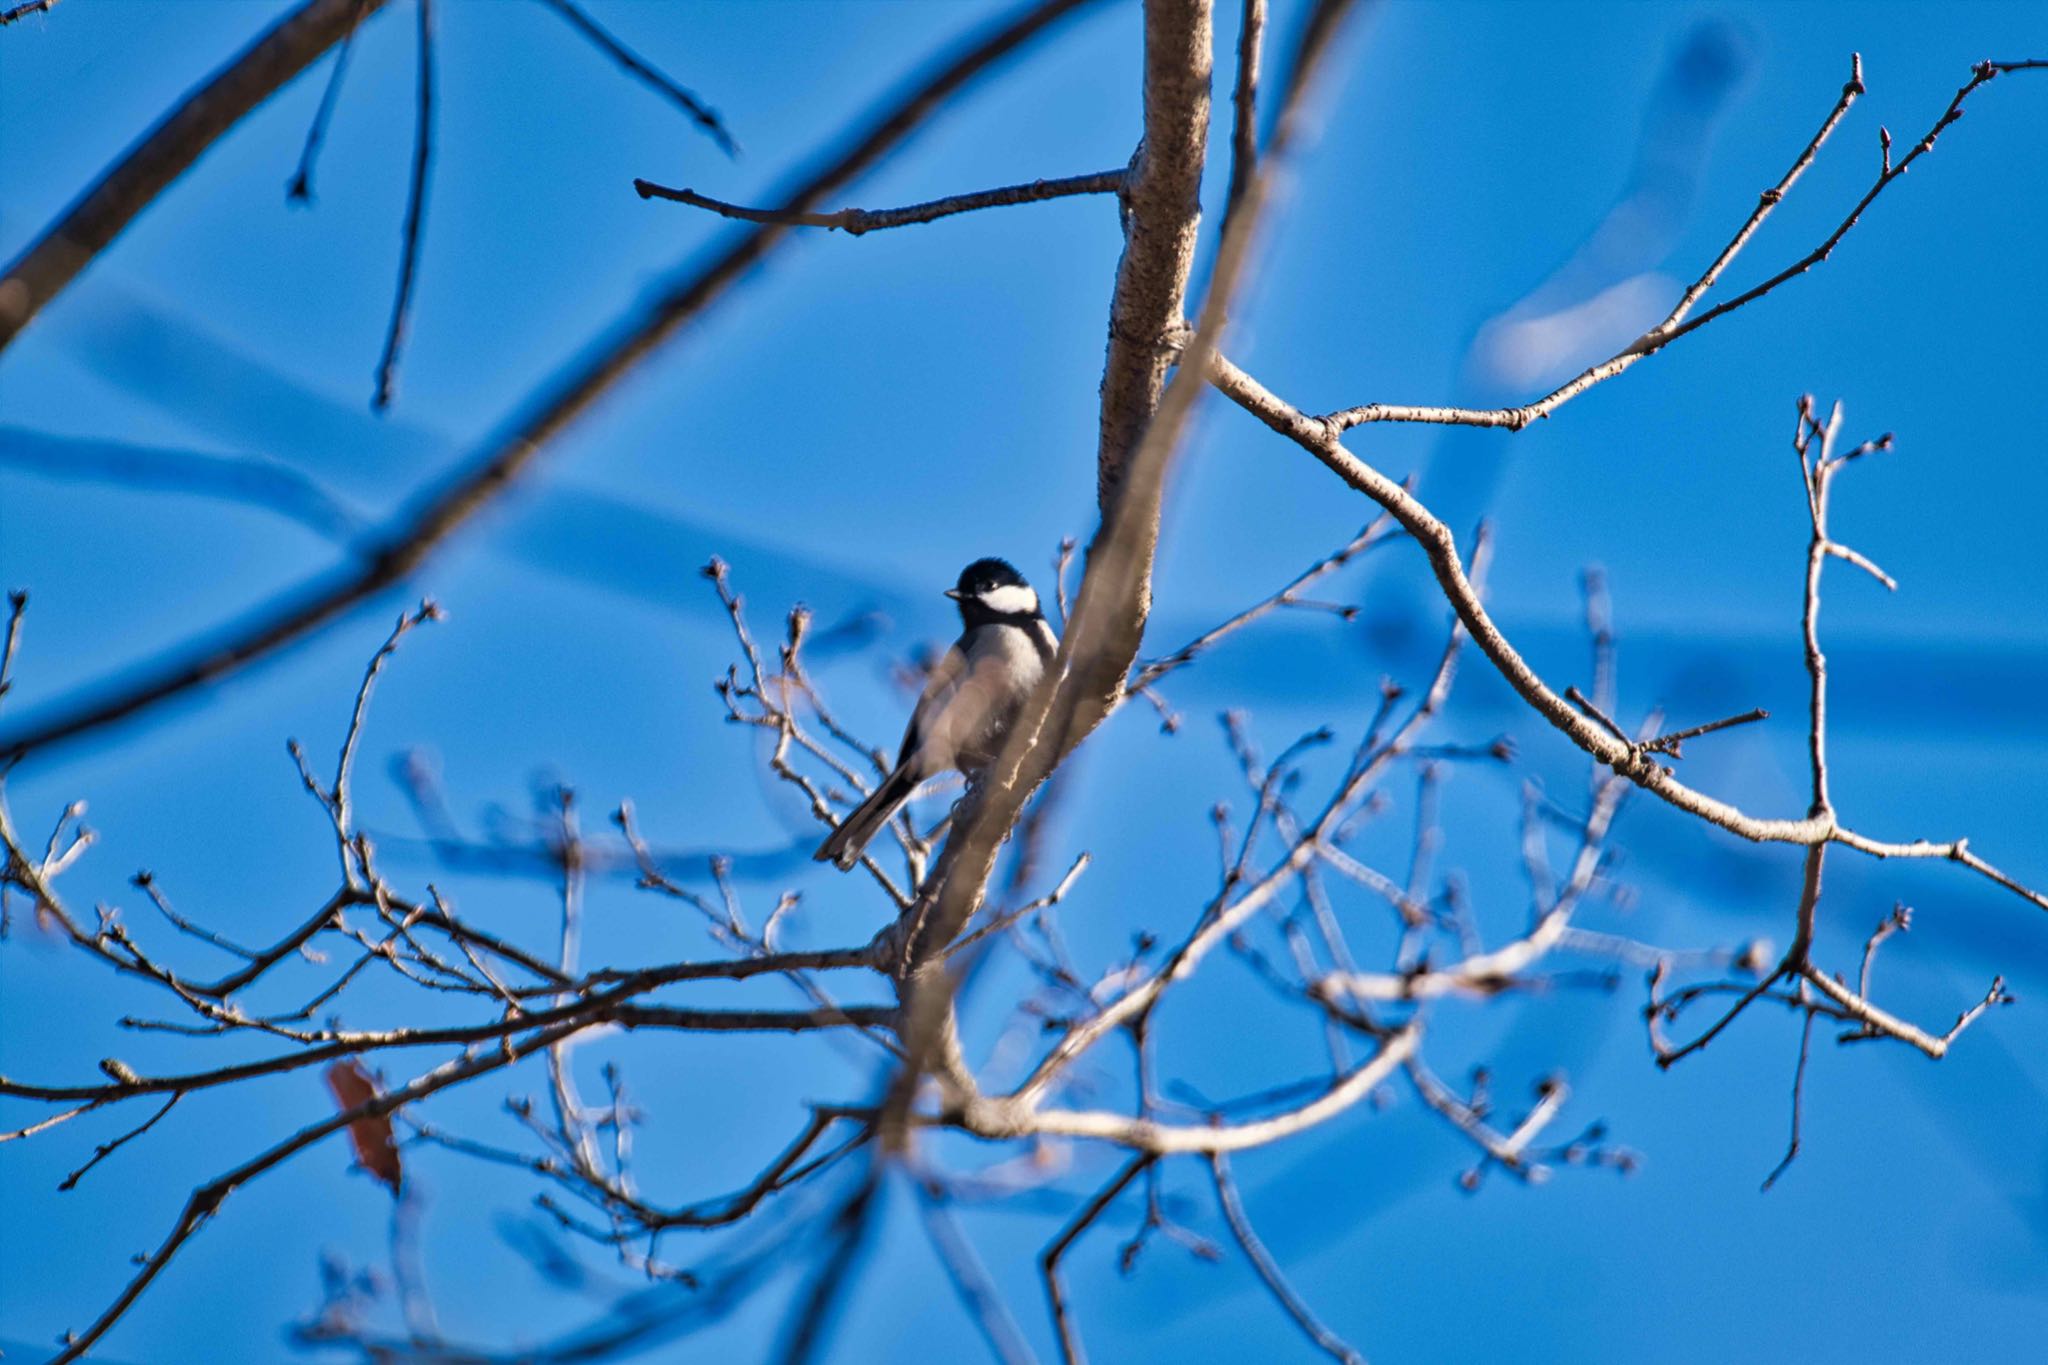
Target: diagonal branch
{"type": "Point", "coordinates": [166, 151]}
{"type": "Point", "coordinates": [1374, 533]}
{"type": "Point", "coordinates": [207, 1199]}
{"type": "Point", "coordinates": [1320, 438]}
{"type": "Point", "coordinates": [1269, 1269]}
{"type": "Point", "coordinates": [16, 13]}
{"type": "Point", "coordinates": [701, 114]}
{"type": "Point", "coordinates": [299, 189]}
{"type": "Point", "coordinates": [408, 540]}
{"type": "Point", "coordinates": [1677, 324]}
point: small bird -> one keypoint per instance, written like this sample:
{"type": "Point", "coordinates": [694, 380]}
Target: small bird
{"type": "Point", "coordinates": [969, 703]}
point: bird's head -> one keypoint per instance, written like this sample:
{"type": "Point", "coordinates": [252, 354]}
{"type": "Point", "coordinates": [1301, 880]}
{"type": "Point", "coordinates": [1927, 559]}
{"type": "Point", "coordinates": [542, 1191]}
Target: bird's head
{"type": "Point", "coordinates": [992, 587]}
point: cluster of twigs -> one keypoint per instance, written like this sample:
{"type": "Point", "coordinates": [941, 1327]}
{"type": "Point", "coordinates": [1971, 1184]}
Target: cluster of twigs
{"type": "Point", "coordinates": [530, 1001]}
{"type": "Point", "coordinates": [1287, 907]}
{"type": "Point", "coordinates": [1294, 902]}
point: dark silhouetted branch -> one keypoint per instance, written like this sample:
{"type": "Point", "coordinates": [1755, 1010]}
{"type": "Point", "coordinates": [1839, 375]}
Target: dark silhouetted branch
{"type": "Point", "coordinates": [415, 211]}
{"type": "Point", "coordinates": [854, 222]}
{"type": "Point", "coordinates": [701, 114]}
{"type": "Point", "coordinates": [1244, 102]}
{"type": "Point", "coordinates": [19, 12]}
{"type": "Point", "coordinates": [164, 153]}
{"type": "Point", "coordinates": [407, 541]}
{"type": "Point", "coordinates": [299, 190]}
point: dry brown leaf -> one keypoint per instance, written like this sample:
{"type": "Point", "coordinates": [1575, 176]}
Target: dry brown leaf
{"type": "Point", "coordinates": [376, 1151]}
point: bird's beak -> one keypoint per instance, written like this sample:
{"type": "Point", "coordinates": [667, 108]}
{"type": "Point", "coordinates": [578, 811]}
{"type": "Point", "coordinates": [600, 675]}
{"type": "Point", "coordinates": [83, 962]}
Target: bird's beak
{"type": "Point", "coordinates": [954, 593]}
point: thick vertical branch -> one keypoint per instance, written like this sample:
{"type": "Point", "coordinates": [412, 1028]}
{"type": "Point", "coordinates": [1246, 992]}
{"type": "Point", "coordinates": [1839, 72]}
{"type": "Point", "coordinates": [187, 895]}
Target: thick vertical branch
{"type": "Point", "coordinates": [166, 151]}
{"type": "Point", "coordinates": [1162, 213]}
{"type": "Point", "coordinates": [1100, 644]}
{"type": "Point", "coordinates": [1114, 597]}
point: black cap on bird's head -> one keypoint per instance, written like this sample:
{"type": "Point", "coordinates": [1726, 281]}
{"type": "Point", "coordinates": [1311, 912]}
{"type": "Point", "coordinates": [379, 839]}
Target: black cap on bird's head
{"type": "Point", "coordinates": [983, 574]}
{"type": "Point", "coordinates": [993, 586]}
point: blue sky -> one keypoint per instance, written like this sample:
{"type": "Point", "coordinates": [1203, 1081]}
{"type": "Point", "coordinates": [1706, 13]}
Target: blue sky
{"type": "Point", "coordinates": [864, 416]}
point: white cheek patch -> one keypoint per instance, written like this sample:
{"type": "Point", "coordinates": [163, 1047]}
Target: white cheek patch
{"type": "Point", "coordinates": [1012, 599]}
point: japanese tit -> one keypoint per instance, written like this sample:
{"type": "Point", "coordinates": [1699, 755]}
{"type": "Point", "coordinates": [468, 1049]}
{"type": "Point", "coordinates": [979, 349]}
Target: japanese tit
{"type": "Point", "coordinates": [969, 703]}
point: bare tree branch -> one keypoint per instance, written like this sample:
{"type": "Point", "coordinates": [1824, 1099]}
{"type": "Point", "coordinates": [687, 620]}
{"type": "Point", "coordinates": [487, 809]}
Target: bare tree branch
{"type": "Point", "coordinates": [1293, 872]}
{"type": "Point", "coordinates": [854, 222]}
{"type": "Point", "coordinates": [299, 190]}
{"type": "Point", "coordinates": [1269, 1269]}
{"type": "Point", "coordinates": [415, 211]}
{"type": "Point", "coordinates": [1049, 1262]}
{"type": "Point", "coordinates": [1244, 103]}
{"type": "Point", "coordinates": [1676, 323]}
{"type": "Point", "coordinates": [18, 12]}
{"type": "Point", "coordinates": [406, 542]}
{"type": "Point", "coordinates": [701, 114]}
{"type": "Point", "coordinates": [1162, 213]}
{"type": "Point", "coordinates": [207, 1199]}
{"type": "Point", "coordinates": [1440, 546]}
{"type": "Point", "coordinates": [164, 153]}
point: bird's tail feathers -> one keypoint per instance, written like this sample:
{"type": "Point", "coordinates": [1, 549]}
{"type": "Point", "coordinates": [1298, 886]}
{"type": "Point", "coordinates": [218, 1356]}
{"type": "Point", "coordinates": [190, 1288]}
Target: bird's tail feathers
{"type": "Point", "coordinates": [844, 845]}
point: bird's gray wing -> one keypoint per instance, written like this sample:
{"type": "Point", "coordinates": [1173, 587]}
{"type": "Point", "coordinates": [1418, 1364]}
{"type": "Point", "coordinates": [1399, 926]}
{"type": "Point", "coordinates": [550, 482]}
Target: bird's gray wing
{"type": "Point", "coordinates": [968, 704]}
{"type": "Point", "coordinates": [939, 689]}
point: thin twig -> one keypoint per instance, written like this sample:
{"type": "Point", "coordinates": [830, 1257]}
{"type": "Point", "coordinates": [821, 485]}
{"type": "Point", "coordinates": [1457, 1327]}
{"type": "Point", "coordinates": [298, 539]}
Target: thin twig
{"type": "Point", "coordinates": [17, 607]}
{"type": "Point", "coordinates": [1798, 1100]}
{"type": "Point", "coordinates": [1677, 323]}
{"type": "Point", "coordinates": [701, 114]}
{"type": "Point", "coordinates": [300, 188]}
{"type": "Point", "coordinates": [1049, 1261]}
{"type": "Point", "coordinates": [415, 211]}
{"type": "Point", "coordinates": [1377, 531]}
{"type": "Point", "coordinates": [854, 222]}
{"type": "Point", "coordinates": [1244, 104]}
{"type": "Point", "coordinates": [22, 11]}
{"type": "Point", "coordinates": [107, 1149]}
{"type": "Point", "coordinates": [1673, 742]}
{"type": "Point", "coordinates": [1269, 1270]}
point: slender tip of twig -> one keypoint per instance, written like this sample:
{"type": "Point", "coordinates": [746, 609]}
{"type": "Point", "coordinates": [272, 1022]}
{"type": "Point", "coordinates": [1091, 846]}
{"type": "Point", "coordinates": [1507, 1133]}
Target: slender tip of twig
{"type": "Point", "coordinates": [1778, 1170]}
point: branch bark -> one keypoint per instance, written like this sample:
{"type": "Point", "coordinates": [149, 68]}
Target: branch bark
{"type": "Point", "coordinates": [1163, 212]}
